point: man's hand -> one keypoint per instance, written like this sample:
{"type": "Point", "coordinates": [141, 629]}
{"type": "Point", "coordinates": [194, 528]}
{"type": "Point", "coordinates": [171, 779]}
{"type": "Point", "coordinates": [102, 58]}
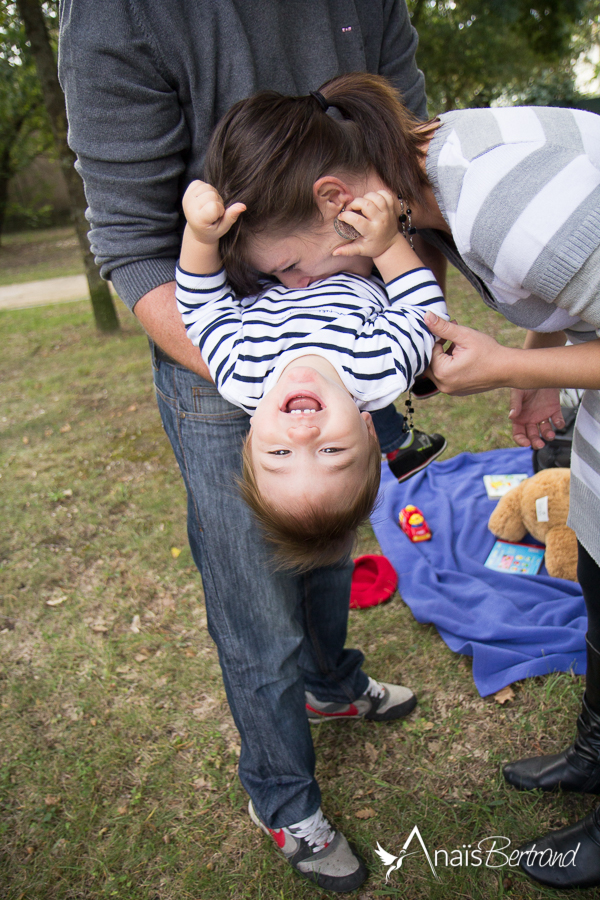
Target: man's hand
{"type": "Point", "coordinates": [376, 220]}
{"type": "Point", "coordinates": [205, 212]}
{"type": "Point", "coordinates": [534, 416]}
{"type": "Point", "coordinates": [474, 362]}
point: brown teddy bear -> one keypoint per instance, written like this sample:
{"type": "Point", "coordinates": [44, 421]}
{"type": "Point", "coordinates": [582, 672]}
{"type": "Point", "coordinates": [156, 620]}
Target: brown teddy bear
{"type": "Point", "coordinates": [540, 506]}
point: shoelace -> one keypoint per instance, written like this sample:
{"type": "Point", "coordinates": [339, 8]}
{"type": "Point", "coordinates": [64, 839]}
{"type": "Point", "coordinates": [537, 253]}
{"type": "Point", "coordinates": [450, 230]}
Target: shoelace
{"type": "Point", "coordinates": [315, 830]}
{"type": "Point", "coordinates": [375, 690]}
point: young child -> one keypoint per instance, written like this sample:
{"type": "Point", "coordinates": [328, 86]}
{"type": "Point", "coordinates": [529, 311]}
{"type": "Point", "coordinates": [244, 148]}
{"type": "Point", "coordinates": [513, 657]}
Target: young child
{"type": "Point", "coordinates": [308, 365]}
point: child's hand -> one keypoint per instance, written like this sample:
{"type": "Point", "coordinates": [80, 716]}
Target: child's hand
{"type": "Point", "coordinates": [205, 212]}
{"type": "Point", "coordinates": [375, 218]}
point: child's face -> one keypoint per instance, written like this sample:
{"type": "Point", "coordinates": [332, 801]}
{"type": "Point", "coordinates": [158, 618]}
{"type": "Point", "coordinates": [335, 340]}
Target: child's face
{"type": "Point", "coordinates": [309, 440]}
{"type": "Point", "coordinates": [300, 259]}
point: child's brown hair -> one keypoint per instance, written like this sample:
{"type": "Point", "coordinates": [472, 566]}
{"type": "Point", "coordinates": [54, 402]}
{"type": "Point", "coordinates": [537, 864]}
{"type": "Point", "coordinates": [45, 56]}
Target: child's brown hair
{"type": "Point", "coordinates": [269, 150]}
{"type": "Point", "coordinates": [319, 535]}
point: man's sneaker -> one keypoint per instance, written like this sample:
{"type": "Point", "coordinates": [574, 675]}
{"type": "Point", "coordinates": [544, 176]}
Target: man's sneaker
{"type": "Point", "coordinates": [379, 703]}
{"type": "Point", "coordinates": [318, 852]}
{"type": "Point", "coordinates": [413, 457]}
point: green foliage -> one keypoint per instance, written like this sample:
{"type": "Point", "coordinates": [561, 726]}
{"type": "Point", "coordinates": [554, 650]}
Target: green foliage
{"type": "Point", "coordinates": [24, 127]}
{"type": "Point", "coordinates": [475, 52]}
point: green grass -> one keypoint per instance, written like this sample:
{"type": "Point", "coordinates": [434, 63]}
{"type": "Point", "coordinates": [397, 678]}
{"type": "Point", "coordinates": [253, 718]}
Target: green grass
{"type": "Point", "coordinates": [37, 255]}
{"type": "Point", "coordinates": [118, 763]}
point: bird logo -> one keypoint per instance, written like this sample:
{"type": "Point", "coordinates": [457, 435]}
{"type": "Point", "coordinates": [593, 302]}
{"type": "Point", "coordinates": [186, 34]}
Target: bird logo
{"type": "Point", "coordinates": [395, 862]}
{"type": "Point", "coordinates": [388, 859]}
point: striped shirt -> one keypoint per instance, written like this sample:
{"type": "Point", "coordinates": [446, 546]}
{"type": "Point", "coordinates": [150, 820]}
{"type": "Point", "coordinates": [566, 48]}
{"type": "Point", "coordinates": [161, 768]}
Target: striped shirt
{"type": "Point", "coordinates": [520, 190]}
{"type": "Point", "coordinates": [372, 334]}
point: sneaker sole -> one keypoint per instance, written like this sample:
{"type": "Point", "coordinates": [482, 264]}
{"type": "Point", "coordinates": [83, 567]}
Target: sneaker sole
{"type": "Point", "coordinates": [423, 466]}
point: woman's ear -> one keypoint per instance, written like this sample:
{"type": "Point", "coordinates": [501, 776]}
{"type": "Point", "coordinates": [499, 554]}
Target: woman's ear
{"type": "Point", "coordinates": [331, 195]}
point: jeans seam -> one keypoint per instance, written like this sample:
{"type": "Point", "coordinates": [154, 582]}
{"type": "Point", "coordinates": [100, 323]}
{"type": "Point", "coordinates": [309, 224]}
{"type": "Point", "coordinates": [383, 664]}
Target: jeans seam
{"type": "Point", "coordinates": [180, 418]}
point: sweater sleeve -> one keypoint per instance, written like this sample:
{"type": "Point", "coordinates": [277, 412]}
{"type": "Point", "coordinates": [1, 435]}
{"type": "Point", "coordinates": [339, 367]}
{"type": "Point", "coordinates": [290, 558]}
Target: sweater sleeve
{"type": "Point", "coordinates": [127, 128]}
{"type": "Point", "coordinates": [398, 62]}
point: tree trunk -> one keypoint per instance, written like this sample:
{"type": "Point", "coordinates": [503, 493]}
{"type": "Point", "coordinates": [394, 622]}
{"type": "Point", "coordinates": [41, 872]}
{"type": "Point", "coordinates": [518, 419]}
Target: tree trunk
{"type": "Point", "coordinates": [4, 180]}
{"type": "Point", "coordinates": [37, 35]}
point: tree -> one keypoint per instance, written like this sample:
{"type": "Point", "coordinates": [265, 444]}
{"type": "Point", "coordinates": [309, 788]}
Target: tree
{"type": "Point", "coordinates": [24, 128]}
{"type": "Point", "coordinates": [36, 31]}
{"type": "Point", "coordinates": [475, 52]}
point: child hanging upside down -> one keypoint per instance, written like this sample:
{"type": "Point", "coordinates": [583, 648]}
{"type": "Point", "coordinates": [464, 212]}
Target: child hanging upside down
{"type": "Point", "coordinates": [309, 364]}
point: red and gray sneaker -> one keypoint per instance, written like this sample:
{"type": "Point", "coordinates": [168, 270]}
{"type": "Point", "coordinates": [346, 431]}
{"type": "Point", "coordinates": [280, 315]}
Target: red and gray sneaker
{"type": "Point", "coordinates": [379, 703]}
{"type": "Point", "coordinates": [318, 852]}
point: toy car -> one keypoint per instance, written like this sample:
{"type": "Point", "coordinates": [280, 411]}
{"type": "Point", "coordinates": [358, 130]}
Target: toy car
{"type": "Point", "coordinates": [413, 524]}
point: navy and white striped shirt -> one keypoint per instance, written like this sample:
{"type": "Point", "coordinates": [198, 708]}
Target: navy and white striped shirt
{"type": "Point", "coordinates": [372, 334]}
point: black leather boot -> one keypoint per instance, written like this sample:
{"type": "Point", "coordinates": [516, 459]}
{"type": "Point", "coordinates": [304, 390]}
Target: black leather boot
{"type": "Point", "coordinates": [578, 767]}
{"type": "Point", "coordinates": [569, 858]}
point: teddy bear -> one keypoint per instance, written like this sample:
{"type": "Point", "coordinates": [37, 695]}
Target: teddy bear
{"type": "Point", "coordinates": [540, 506]}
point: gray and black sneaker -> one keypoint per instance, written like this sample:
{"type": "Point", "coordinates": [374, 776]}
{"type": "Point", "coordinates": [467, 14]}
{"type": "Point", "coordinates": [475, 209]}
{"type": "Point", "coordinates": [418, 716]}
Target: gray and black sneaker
{"type": "Point", "coordinates": [380, 702]}
{"type": "Point", "coordinates": [318, 852]}
{"type": "Point", "coordinates": [412, 457]}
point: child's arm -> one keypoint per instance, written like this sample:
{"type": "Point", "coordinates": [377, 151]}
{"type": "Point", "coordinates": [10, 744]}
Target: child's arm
{"type": "Point", "coordinates": [207, 221]}
{"type": "Point", "coordinates": [411, 289]}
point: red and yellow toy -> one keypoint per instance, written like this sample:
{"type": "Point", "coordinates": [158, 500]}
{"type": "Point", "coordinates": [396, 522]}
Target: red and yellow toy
{"type": "Point", "coordinates": [413, 524]}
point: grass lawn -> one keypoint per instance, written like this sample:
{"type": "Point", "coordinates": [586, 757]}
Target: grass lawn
{"type": "Point", "coordinates": [118, 763]}
{"type": "Point", "coordinates": [36, 255]}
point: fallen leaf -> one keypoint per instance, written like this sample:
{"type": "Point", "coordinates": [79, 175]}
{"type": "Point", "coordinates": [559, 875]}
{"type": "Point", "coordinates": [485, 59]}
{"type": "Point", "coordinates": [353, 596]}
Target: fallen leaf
{"type": "Point", "coordinates": [505, 695]}
{"type": "Point", "coordinates": [65, 428]}
{"type": "Point", "coordinates": [122, 670]}
{"type": "Point", "coordinates": [99, 628]}
{"type": "Point", "coordinates": [48, 432]}
{"type": "Point", "coordinates": [135, 624]}
{"type": "Point", "coordinates": [189, 652]}
{"type": "Point", "coordinates": [132, 408]}
{"type": "Point", "coordinates": [93, 723]}
{"type": "Point", "coordinates": [371, 752]}
{"type": "Point", "coordinates": [68, 493]}
{"type": "Point", "coordinates": [175, 551]}
{"type": "Point", "coordinates": [121, 810]}
{"type": "Point", "coordinates": [51, 801]}
{"type": "Point", "coordinates": [25, 439]}
{"type": "Point", "coordinates": [427, 726]}
{"type": "Point", "coordinates": [141, 657]}
{"type": "Point", "coordinates": [367, 813]}
{"type": "Point", "coordinates": [56, 601]}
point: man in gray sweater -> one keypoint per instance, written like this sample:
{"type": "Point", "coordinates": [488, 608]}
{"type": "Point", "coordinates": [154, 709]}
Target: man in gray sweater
{"type": "Point", "coordinates": [145, 83]}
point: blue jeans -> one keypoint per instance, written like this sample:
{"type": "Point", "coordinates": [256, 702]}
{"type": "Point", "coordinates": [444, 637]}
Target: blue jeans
{"type": "Point", "coordinates": [276, 634]}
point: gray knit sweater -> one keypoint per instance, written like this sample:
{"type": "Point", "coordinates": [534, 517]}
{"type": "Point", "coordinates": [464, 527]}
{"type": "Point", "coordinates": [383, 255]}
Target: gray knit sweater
{"type": "Point", "coordinates": [146, 81]}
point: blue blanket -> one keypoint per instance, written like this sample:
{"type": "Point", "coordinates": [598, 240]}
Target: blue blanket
{"type": "Point", "coordinates": [514, 626]}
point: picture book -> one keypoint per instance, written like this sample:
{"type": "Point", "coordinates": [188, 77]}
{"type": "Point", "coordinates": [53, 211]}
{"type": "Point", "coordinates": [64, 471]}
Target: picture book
{"type": "Point", "coordinates": [499, 485]}
{"type": "Point", "coordinates": [521, 559]}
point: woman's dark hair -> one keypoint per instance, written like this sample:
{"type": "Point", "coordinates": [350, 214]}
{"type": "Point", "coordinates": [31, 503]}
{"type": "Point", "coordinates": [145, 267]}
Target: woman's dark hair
{"type": "Point", "coordinates": [269, 150]}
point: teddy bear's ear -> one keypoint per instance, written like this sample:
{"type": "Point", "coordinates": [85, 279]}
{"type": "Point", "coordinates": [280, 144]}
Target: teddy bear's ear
{"type": "Point", "coordinates": [506, 522]}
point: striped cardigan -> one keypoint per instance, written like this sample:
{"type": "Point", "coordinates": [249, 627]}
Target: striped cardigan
{"type": "Point", "coordinates": [520, 190]}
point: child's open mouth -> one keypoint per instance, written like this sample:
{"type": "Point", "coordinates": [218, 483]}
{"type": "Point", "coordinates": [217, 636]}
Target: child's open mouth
{"type": "Point", "coordinates": [302, 403]}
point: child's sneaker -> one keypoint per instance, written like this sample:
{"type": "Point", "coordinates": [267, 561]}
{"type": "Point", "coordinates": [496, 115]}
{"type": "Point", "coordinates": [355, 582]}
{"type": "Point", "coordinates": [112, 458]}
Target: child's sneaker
{"type": "Point", "coordinates": [318, 852]}
{"type": "Point", "coordinates": [423, 388]}
{"type": "Point", "coordinates": [379, 703]}
{"type": "Point", "coordinates": [415, 455]}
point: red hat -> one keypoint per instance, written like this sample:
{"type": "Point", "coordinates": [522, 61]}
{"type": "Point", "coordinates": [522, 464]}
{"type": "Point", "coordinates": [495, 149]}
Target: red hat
{"type": "Point", "coordinates": [374, 580]}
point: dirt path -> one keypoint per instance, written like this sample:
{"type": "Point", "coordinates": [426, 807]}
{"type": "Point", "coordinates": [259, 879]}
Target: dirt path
{"type": "Point", "coordinates": [41, 293]}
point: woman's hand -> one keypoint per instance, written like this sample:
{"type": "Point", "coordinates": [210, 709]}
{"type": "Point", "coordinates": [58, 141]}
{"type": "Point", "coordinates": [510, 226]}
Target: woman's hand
{"type": "Point", "coordinates": [207, 218]}
{"type": "Point", "coordinates": [473, 363]}
{"type": "Point", "coordinates": [534, 415]}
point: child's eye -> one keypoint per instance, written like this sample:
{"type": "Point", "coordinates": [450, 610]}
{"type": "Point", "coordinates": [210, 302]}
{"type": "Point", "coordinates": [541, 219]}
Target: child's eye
{"type": "Point", "coordinates": [278, 452]}
{"type": "Point", "coordinates": [332, 449]}
{"type": "Point", "coordinates": [288, 269]}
